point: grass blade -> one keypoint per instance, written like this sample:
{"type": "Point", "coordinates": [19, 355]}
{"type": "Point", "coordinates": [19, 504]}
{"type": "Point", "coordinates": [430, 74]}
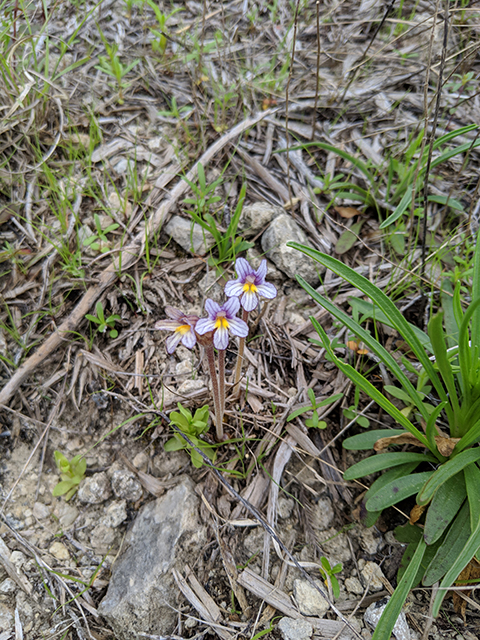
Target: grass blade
{"type": "Point", "coordinates": [472, 483]}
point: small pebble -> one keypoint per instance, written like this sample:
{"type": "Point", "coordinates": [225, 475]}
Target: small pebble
{"type": "Point", "coordinates": [372, 573]}
{"type": "Point", "coordinates": [59, 551]}
{"type": "Point", "coordinates": [372, 615]}
{"type": "Point", "coordinates": [353, 585]}
{"type": "Point", "coordinates": [292, 629]}
{"type": "Point", "coordinates": [309, 601]}
{"type": "Point", "coordinates": [8, 586]}
{"type": "Point", "coordinates": [125, 485]}
{"type": "Point", "coordinates": [41, 511]}
{"type": "Point", "coordinates": [95, 489]}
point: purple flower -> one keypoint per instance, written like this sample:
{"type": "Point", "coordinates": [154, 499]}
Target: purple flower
{"type": "Point", "coordinates": [222, 320]}
{"type": "Point", "coordinates": [183, 328]}
{"type": "Point", "coordinates": [250, 284]}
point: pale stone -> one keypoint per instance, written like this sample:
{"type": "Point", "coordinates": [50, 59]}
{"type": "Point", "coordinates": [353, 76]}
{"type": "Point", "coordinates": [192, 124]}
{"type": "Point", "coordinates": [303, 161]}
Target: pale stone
{"type": "Point", "coordinates": [256, 216]}
{"type": "Point", "coordinates": [372, 615]}
{"type": "Point", "coordinates": [95, 489]}
{"type": "Point", "coordinates": [115, 514]}
{"type": "Point", "coordinates": [309, 601]}
{"type": "Point", "coordinates": [322, 513]}
{"type": "Point", "coordinates": [353, 585]}
{"type": "Point", "coordinates": [41, 511]}
{"type": "Point", "coordinates": [59, 551]}
{"type": "Point", "coordinates": [292, 629]}
{"type": "Point", "coordinates": [126, 485]}
{"type": "Point", "coordinates": [372, 573]}
{"type": "Point", "coordinates": [191, 237]}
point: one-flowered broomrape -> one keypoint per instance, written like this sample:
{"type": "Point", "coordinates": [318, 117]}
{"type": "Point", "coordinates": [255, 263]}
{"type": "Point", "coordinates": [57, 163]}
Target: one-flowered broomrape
{"type": "Point", "coordinates": [250, 284]}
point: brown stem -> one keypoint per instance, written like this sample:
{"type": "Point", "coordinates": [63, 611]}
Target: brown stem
{"type": "Point", "coordinates": [241, 351]}
{"type": "Point", "coordinates": [209, 352]}
{"type": "Point", "coordinates": [221, 378]}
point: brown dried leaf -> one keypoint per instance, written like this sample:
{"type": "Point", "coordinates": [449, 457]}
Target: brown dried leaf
{"type": "Point", "coordinates": [404, 438]}
{"type": "Point", "coordinates": [471, 572]}
{"type": "Point", "coordinates": [348, 212]}
{"type": "Point", "coordinates": [416, 512]}
{"type": "Point", "coordinates": [446, 445]}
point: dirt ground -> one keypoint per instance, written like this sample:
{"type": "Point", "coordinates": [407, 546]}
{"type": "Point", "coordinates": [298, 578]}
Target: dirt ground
{"type": "Point", "coordinates": [107, 107]}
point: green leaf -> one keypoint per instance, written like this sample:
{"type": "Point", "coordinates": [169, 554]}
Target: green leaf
{"type": "Point", "coordinates": [400, 209]}
{"type": "Point", "coordinates": [397, 490]}
{"type": "Point", "coordinates": [472, 483]}
{"type": "Point", "coordinates": [348, 238]}
{"type": "Point", "coordinates": [364, 441]}
{"type": "Point", "coordinates": [62, 488]}
{"type": "Point", "coordinates": [400, 394]}
{"type": "Point", "coordinates": [387, 477]}
{"type": "Point", "coordinates": [446, 471]}
{"type": "Point", "coordinates": [446, 200]}
{"type": "Point", "coordinates": [450, 548]}
{"type": "Point", "coordinates": [174, 444]}
{"type": "Point", "coordinates": [384, 461]}
{"type": "Point", "coordinates": [444, 507]}
{"type": "Point", "coordinates": [394, 607]}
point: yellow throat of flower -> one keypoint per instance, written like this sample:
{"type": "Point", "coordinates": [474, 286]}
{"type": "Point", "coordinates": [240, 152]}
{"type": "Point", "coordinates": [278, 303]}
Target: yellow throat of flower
{"type": "Point", "coordinates": [183, 329]}
{"type": "Point", "coordinates": [249, 287]}
{"type": "Point", "coordinates": [221, 322]}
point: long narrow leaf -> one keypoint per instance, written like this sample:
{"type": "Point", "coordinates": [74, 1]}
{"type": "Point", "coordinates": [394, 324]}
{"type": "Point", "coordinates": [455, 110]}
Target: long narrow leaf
{"type": "Point", "coordinates": [437, 338]}
{"type": "Point", "coordinates": [397, 490]}
{"type": "Point", "coordinates": [368, 387]}
{"type": "Point", "coordinates": [370, 341]}
{"type": "Point", "coordinates": [400, 209]}
{"type": "Point", "coordinates": [467, 553]}
{"type": "Point", "coordinates": [446, 471]}
{"type": "Point", "coordinates": [471, 437]}
{"type": "Point", "coordinates": [396, 602]}
{"type": "Point", "coordinates": [444, 507]}
{"type": "Point", "coordinates": [383, 461]}
{"type": "Point", "coordinates": [385, 305]}
{"type": "Point", "coordinates": [472, 483]}
{"type": "Point", "coordinates": [380, 482]}
{"type": "Point", "coordinates": [366, 440]}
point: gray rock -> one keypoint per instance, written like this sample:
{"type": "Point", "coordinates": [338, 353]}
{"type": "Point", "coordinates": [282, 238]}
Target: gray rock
{"type": "Point", "coordinates": [256, 216]}
{"type": "Point", "coordinates": [102, 538]}
{"type": "Point", "coordinates": [66, 514]}
{"type": "Point", "coordinates": [115, 514]}
{"type": "Point", "coordinates": [335, 546]}
{"type": "Point", "coordinates": [166, 534]}
{"type": "Point", "coordinates": [292, 629]}
{"type": "Point", "coordinates": [353, 585]}
{"type": "Point", "coordinates": [369, 540]}
{"type": "Point", "coordinates": [8, 586]}
{"type": "Point", "coordinates": [372, 615]}
{"type": "Point", "coordinates": [372, 574]}
{"type": "Point", "coordinates": [309, 601]}
{"type": "Point", "coordinates": [322, 514]}
{"type": "Point", "coordinates": [284, 229]}
{"type": "Point", "coordinates": [95, 489]}
{"type": "Point", "coordinates": [6, 617]}
{"type": "Point", "coordinates": [41, 511]}
{"type": "Point", "coordinates": [196, 238]}
{"type": "Point", "coordinates": [125, 485]}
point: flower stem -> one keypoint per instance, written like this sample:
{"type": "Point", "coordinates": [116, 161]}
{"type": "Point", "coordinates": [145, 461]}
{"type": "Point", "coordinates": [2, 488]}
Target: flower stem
{"type": "Point", "coordinates": [241, 351]}
{"type": "Point", "coordinates": [209, 352]}
{"type": "Point", "coordinates": [221, 379]}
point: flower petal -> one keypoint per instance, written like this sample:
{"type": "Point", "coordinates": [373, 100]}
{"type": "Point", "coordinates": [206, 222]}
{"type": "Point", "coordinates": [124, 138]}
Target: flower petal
{"type": "Point", "coordinates": [220, 338]}
{"type": "Point", "coordinates": [233, 288]}
{"type": "Point", "coordinates": [189, 339]}
{"type": "Point", "coordinates": [249, 301]}
{"type": "Point", "coordinates": [172, 342]}
{"type": "Point", "coordinates": [261, 272]}
{"type": "Point", "coordinates": [204, 325]}
{"type": "Point", "coordinates": [167, 325]}
{"type": "Point", "coordinates": [243, 269]}
{"type": "Point", "coordinates": [174, 313]}
{"type": "Point", "coordinates": [238, 328]}
{"type": "Point", "coordinates": [231, 307]}
{"type": "Point", "coordinates": [267, 290]}
{"type": "Point", "coordinates": [212, 308]}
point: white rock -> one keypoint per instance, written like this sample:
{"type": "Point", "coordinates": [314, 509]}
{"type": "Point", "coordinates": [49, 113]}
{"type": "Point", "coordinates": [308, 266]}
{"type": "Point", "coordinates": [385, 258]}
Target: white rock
{"type": "Point", "coordinates": [126, 485]}
{"type": "Point", "coordinates": [41, 511]}
{"type": "Point", "coordinates": [372, 615]}
{"type": "Point", "coordinates": [309, 601]}
{"type": "Point", "coordinates": [292, 629]}
{"type": "Point", "coordinates": [189, 237]}
{"type": "Point", "coordinates": [140, 461]}
{"type": "Point", "coordinates": [369, 542]}
{"type": "Point", "coordinates": [189, 386]}
{"type": "Point", "coordinates": [284, 229]}
{"type": "Point", "coordinates": [256, 216]}
{"type": "Point", "coordinates": [372, 573]}
{"type": "Point", "coordinates": [335, 546]}
{"type": "Point", "coordinates": [102, 538]}
{"type": "Point", "coordinates": [115, 514]}
{"type": "Point", "coordinates": [66, 514]}
{"type": "Point", "coordinates": [18, 559]}
{"type": "Point", "coordinates": [322, 513]}
{"type": "Point", "coordinates": [95, 489]}
{"type": "Point", "coordinates": [6, 618]}
{"type": "Point", "coordinates": [184, 368]}
{"type": "Point", "coordinates": [59, 551]}
{"type": "Point", "coordinates": [7, 586]}
{"type": "Point", "coordinates": [353, 585]}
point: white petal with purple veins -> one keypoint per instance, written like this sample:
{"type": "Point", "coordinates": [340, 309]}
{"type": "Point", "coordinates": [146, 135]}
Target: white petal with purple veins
{"type": "Point", "coordinates": [189, 339]}
{"type": "Point", "coordinates": [243, 269]}
{"type": "Point", "coordinates": [249, 301]}
{"type": "Point", "coordinates": [261, 272]}
{"type": "Point", "coordinates": [231, 307]}
{"type": "Point", "coordinates": [220, 338]}
{"type": "Point", "coordinates": [204, 325]}
{"type": "Point", "coordinates": [172, 341]}
{"type": "Point", "coordinates": [212, 308]}
{"type": "Point", "coordinates": [167, 325]}
{"type": "Point", "coordinates": [238, 327]}
{"type": "Point", "coordinates": [267, 290]}
{"type": "Point", "coordinates": [174, 313]}
{"type": "Point", "coordinates": [233, 288]}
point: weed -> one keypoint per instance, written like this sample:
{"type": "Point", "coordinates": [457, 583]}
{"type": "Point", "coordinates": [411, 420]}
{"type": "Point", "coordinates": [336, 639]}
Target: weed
{"type": "Point", "coordinates": [71, 474]}
{"type": "Point", "coordinates": [328, 574]}
{"type": "Point", "coordinates": [113, 67]}
{"type": "Point", "coordinates": [447, 485]}
{"type": "Point", "coordinates": [193, 427]}
{"type": "Point", "coordinates": [159, 44]}
{"type": "Point", "coordinates": [314, 421]}
{"type": "Point", "coordinates": [102, 322]}
{"type": "Point", "coordinates": [99, 241]}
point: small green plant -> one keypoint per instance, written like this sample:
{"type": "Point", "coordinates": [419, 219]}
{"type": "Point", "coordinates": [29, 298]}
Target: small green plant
{"type": "Point", "coordinates": [441, 424]}
{"type": "Point", "coordinates": [328, 575]}
{"type": "Point", "coordinates": [99, 241]}
{"type": "Point", "coordinates": [71, 474]}
{"type": "Point", "coordinates": [102, 322]}
{"type": "Point", "coordinates": [159, 44]}
{"type": "Point", "coordinates": [193, 427]}
{"type": "Point", "coordinates": [227, 243]}
{"type": "Point", "coordinates": [351, 412]}
{"type": "Point", "coordinates": [113, 67]}
{"type": "Point", "coordinates": [314, 406]}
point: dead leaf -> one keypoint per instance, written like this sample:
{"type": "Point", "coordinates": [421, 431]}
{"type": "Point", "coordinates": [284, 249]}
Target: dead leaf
{"type": "Point", "coordinates": [416, 512]}
{"type": "Point", "coordinates": [404, 438]}
{"type": "Point", "coordinates": [348, 212]}
{"type": "Point", "coordinates": [471, 572]}
{"type": "Point", "coordinates": [348, 238]}
{"type": "Point", "coordinates": [446, 445]}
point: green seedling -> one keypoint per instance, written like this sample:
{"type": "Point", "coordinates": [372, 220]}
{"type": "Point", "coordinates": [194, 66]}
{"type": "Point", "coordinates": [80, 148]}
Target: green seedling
{"type": "Point", "coordinates": [227, 243]}
{"type": "Point", "coordinates": [99, 241]}
{"type": "Point", "coordinates": [102, 322]}
{"type": "Point", "coordinates": [71, 474]}
{"type": "Point", "coordinates": [113, 67]}
{"type": "Point", "coordinates": [352, 412]}
{"type": "Point", "coordinates": [442, 467]}
{"type": "Point", "coordinates": [328, 574]}
{"type": "Point", "coordinates": [193, 427]}
{"type": "Point", "coordinates": [159, 44]}
{"type": "Point", "coordinates": [314, 406]}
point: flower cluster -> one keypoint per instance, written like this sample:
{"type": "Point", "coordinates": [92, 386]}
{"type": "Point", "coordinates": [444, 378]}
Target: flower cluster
{"type": "Point", "coordinates": [222, 320]}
